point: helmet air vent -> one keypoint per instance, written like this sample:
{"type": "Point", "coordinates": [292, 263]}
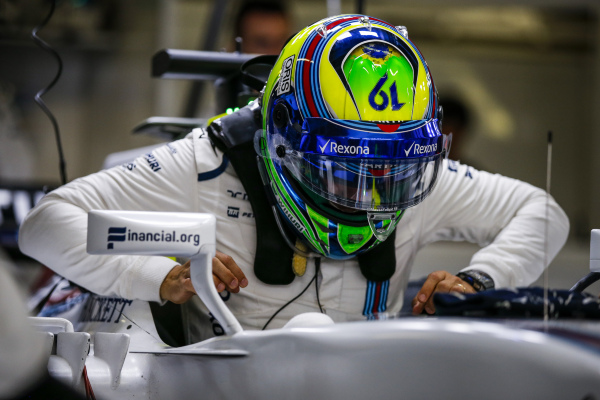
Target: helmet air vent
{"type": "Point", "coordinates": [365, 21]}
{"type": "Point", "coordinates": [322, 30]}
{"type": "Point", "coordinates": [402, 30]}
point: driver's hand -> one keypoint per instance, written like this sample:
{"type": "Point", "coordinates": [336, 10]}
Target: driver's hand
{"type": "Point", "coordinates": [177, 286]}
{"type": "Point", "coordinates": [227, 274]}
{"type": "Point", "coordinates": [439, 281]}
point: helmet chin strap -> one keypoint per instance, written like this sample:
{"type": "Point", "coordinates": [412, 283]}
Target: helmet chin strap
{"type": "Point", "coordinates": [382, 233]}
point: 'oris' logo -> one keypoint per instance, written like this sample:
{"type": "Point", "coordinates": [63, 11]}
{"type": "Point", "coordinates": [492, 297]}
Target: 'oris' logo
{"type": "Point", "coordinates": [343, 149]}
{"type": "Point", "coordinates": [285, 77]}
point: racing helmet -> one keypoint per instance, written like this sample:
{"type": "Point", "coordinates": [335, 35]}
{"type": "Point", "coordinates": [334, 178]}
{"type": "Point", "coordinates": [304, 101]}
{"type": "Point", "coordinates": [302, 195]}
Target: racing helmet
{"type": "Point", "coordinates": [351, 136]}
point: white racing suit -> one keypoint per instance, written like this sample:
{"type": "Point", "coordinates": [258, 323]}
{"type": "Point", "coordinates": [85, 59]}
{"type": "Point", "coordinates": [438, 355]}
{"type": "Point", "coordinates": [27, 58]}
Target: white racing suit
{"type": "Point", "coordinates": [505, 216]}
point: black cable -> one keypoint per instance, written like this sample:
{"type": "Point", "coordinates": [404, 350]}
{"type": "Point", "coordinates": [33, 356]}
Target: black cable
{"type": "Point", "coordinates": [40, 102]}
{"type": "Point", "coordinates": [586, 281]}
{"type": "Point", "coordinates": [317, 270]}
{"type": "Point", "coordinates": [38, 96]}
{"type": "Point", "coordinates": [314, 278]}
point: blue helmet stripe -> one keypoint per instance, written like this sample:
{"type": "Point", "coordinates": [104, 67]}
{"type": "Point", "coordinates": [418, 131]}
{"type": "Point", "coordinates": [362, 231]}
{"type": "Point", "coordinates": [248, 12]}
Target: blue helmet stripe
{"type": "Point", "coordinates": [315, 77]}
{"type": "Point", "coordinates": [299, 71]}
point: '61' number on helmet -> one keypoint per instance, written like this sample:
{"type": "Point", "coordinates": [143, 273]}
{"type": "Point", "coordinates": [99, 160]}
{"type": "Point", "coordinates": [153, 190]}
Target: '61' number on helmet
{"type": "Point", "coordinates": [378, 93]}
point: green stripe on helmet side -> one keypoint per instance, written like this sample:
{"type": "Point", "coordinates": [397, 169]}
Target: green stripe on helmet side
{"type": "Point", "coordinates": [318, 220]}
{"type": "Point", "coordinates": [290, 206]}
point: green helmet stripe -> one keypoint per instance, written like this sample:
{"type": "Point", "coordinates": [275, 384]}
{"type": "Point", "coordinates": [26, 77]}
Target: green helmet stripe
{"type": "Point", "coordinates": [297, 213]}
{"type": "Point", "coordinates": [318, 221]}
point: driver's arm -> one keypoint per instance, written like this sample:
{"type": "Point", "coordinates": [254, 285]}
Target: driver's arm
{"type": "Point", "coordinates": [520, 228]}
{"type": "Point", "coordinates": [55, 231]}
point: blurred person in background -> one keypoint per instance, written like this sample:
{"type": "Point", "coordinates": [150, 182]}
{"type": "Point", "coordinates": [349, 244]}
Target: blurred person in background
{"type": "Point", "coordinates": [457, 121]}
{"type": "Point", "coordinates": [264, 26]}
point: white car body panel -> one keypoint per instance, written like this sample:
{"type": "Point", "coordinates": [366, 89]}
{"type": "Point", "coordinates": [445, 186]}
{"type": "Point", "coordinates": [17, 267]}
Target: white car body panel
{"type": "Point", "coordinates": [312, 357]}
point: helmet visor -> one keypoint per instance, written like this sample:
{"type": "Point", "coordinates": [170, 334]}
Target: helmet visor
{"type": "Point", "coordinates": [366, 184]}
{"type": "Point", "coordinates": [362, 165]}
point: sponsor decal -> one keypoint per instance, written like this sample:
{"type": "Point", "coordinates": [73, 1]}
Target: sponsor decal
{"type": "Point", "coordinates": [289, 215]}
{"type": "Point", "coordinates": [116, 234]}
{"type": "Point", "coordinates": [382, 209]}
{"type": "Point", "coordinates": [171, 148]}
{"type": "Point", "coordinates": [152, 162]}
{"type": "Point", "coordinates": [332, 147]}
{"type": "Point", "coordinates": [233, 194]}
{"type": "Point", "coordinates": [234, 212]}
{"type": "Point", "coordinates": [123, 234]}
{"type": "Point", "coordinates": [103, 309]}
{"type": "Point", "coordinates": [453, 167]}
{"type": "Point", "coordinates": [216, 326]}
{"type": "Point", "coordinates": [378, 166]}
{"type": "Point", "coordinates": [468, 173]}
{"type": "Point", "coordinates": [129, 166]}
{"type": "Point", "coordinates": [285, 76]}
{"type": "Point", "coordinates": [417, 149]}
